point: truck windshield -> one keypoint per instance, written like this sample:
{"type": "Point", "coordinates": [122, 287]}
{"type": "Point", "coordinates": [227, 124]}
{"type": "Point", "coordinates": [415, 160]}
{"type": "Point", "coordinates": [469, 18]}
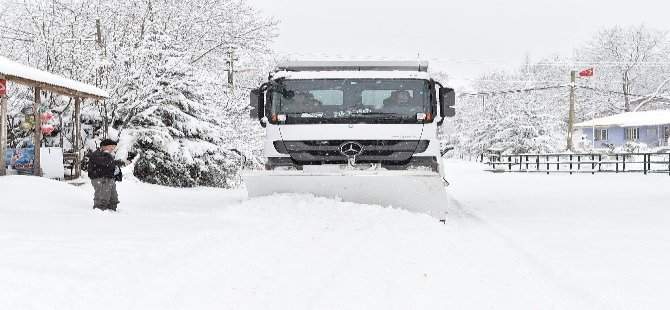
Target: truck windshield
{"type": "Point", "coordinates": [337, 100]}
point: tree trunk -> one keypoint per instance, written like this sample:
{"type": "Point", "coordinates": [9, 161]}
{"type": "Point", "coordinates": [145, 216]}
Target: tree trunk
{"type": "Point", "coordinates": [626, 87]}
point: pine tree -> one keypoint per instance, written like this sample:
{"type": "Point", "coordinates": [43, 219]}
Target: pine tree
{"type": "Point", "coordinates": [181, 143]}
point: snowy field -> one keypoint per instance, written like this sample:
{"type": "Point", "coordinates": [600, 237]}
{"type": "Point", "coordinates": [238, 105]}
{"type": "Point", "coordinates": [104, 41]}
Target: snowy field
{"type": "Point", "coordinates": [512, 241]}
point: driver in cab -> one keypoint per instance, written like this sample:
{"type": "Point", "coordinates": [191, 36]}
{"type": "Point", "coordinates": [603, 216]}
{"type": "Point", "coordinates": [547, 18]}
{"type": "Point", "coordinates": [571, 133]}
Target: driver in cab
{"type": "Point", "coordinates": [302, 102]}
{"type": "Point", "coordinates": [400, 100]}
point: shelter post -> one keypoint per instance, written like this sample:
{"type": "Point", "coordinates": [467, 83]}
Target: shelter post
{"type": "Point", "coordinates": [77, 136]}
{"type": "Point", "coordinates": [38, 132]}
{"type": "Point", "coordinates": [3, 133]}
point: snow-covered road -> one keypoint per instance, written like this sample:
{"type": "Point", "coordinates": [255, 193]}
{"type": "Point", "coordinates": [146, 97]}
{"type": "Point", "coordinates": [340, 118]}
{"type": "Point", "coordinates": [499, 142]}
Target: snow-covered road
{"type": "Point", "coordinates": [207, 248]}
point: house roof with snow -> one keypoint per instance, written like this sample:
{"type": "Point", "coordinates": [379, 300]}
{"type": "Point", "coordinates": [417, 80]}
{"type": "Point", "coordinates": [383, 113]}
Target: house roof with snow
{"type": "Point", "coordinates": [23, 74]}
{"type": "Point", "coordinates": [630, 119]}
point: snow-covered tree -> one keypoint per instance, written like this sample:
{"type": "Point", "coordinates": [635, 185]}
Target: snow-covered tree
{"type": "Point", "coordinates": [524, 111]}
{"type": "Point", "coordinates": [631, 71]}
{"type": "Point", "coordinates": [165, 64]}
{"type": "Point", "coordinates": [634, 61]}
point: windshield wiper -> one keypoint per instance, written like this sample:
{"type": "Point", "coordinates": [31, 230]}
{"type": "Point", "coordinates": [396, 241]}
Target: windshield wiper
{"type": "Point", "coordinates": [387, 115]}
{"type": "Point", "coordinates": [374, 113]}
{"type": "Point", "coordinates": [313, 116]}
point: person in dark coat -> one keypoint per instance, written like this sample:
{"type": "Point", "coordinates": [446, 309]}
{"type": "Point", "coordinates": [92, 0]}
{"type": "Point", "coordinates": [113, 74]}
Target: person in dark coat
{"type": "Point", "coordinates": [104, 170]}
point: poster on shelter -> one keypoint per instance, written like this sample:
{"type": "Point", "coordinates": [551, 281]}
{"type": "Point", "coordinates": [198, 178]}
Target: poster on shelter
{"type": "Point", "coordinates": [3, 87]}
{"type": "Point", "coordinates": [20, 160]}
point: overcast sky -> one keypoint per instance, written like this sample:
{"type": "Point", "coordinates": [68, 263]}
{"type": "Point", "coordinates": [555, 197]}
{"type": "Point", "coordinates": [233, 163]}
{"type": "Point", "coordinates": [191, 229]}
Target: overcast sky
{"type": "Point", "coordinates": [465, 38]}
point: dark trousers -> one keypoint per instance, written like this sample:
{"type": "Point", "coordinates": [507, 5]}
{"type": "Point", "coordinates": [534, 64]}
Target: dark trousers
{"type": "Point", "coordinates": [105, 196]}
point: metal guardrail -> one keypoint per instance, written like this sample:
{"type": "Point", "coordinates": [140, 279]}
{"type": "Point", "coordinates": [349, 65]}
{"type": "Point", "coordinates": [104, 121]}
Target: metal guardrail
{"type": "Point", "coordinates": [581, 163]}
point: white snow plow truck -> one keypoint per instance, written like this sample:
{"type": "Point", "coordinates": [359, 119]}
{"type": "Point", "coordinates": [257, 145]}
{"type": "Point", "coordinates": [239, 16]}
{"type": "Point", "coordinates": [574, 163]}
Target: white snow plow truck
{"type": "Point", "coordinates": [365, 132]}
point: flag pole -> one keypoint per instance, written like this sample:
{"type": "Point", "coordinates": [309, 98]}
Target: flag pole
{"type": "Point", "coordinates": [571, 111]}
{"type": "Point", "coordinates": [582, 74]}
{"type": "Point", "coordinates": [593, 123]}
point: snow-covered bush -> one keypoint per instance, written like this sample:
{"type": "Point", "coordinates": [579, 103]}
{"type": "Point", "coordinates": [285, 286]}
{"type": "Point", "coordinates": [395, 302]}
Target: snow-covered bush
{"type": "Point", "coordinates": [211, 169]}
{"type": "Point", "coordinates": [632, 147]}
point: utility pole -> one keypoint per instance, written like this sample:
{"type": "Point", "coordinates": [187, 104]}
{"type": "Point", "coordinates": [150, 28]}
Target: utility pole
{"type": "Point", "coordinates": [571, 113]}
{"type": "Point", "coordinates": [98, 32]}
{"type": "Point", "coordinates": [231, 65]}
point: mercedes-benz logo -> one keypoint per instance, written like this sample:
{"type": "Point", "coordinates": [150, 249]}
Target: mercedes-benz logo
{"type": "Point", "coordinates": [351, 149]}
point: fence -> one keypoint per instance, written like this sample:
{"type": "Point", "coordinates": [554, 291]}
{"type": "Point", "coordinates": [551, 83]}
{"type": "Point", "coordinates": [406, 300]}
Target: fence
{"type": "Point", "coordinates": [576, 163]}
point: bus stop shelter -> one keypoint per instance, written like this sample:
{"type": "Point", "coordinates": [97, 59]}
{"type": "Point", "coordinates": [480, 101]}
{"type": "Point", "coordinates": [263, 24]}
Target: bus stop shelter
{"type": "Point", "coordinates": [13, 72]}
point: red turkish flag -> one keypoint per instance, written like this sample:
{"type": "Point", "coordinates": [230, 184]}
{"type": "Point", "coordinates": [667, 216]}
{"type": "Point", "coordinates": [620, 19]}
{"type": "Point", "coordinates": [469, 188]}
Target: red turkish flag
{"type": "Point", "coordinates": [586, 73]}
{"type": "Point", "coordinates": [3, 87]}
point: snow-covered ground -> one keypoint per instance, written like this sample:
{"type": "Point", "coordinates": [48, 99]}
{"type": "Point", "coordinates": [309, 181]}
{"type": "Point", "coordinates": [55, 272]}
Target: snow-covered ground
{"type": "Point", "coordinates": [604, 235]}
{"type": "Point", "coordinates": [513, 241]}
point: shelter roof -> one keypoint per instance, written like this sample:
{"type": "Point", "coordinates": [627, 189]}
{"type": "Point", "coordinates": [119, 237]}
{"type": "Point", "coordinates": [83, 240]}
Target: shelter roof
{"type": "Point", "coordinates": [22, 74]}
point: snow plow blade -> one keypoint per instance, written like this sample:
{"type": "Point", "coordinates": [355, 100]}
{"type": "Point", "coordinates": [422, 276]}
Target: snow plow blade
{"type": "Point", "coordinates": [419, 191]}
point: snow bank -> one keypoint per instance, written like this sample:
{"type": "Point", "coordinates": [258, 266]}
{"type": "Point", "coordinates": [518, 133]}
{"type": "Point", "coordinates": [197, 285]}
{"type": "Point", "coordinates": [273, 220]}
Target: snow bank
{"type": "Point", "coordinates": [32, 194]}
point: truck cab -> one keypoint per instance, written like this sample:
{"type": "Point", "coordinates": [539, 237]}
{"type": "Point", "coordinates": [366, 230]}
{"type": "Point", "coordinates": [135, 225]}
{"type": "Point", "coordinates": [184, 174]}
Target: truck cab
{"type": "Point", "coordinates": [366, 115]}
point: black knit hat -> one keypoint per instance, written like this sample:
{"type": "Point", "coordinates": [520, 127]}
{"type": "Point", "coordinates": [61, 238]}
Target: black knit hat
{"type": "Point", "coordinates": [106, 142]}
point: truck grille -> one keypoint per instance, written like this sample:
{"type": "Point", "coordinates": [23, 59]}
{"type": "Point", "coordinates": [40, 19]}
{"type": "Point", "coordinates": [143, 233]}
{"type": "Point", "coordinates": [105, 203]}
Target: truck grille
{"type": "Point", "coordinates": [328, 151]}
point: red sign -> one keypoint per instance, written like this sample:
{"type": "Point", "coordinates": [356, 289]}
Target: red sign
{"type": "Point", "coordinates": [3, 87]}
{"type": "Point", "coordinates": [586, 73]}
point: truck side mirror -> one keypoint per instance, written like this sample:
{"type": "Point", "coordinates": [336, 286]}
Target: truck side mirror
{"type": "Point", "coordinates": [255, 98]}
{"type": "Point", "coordinates": [447, 102]}
{"type": "Point", "coordinates": [257, 104]}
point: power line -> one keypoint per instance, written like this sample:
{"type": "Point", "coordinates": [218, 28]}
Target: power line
{"type": "Point", "coordinates": [16, 30]}
{"type": "Point", "coordinates": [610, 91]}
{"type": "Point", "coordinates": [604, 64]}
{"type": "Point", "coordinates": [480, 61]}
{"type": "Point", "coordinates": [513, 91]}
{"type": "Point", "coordinates": [16, 39]}
{"type": "Point", "coordinates": [523, 90]}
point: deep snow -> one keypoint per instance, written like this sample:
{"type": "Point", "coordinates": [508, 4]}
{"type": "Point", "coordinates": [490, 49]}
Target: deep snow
{"type": "Point", "coordinates": [512, 241]}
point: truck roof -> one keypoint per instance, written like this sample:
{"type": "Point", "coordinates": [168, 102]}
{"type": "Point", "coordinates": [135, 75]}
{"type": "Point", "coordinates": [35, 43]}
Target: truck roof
{"type": "Point", "coordinates": [417, 66]}
{"type": "Point", "coordinates": [310, 75]}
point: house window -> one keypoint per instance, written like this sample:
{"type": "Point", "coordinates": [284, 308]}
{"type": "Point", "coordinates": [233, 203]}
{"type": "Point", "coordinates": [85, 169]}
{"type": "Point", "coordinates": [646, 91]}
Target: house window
{"type": "Point", "coordinates": [601, 134]}
{"type": "Point", "coordinates": [632, 133]}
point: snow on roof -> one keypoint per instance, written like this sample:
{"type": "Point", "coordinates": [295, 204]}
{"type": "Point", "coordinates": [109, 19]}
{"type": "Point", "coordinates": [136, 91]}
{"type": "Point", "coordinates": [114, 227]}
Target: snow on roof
{"type": "Point", "coordinates": [306, 75]}
{"type": "Point", "coordinates": [11, 69]}
{"type": "Point", "coordinates": [629, 119]}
